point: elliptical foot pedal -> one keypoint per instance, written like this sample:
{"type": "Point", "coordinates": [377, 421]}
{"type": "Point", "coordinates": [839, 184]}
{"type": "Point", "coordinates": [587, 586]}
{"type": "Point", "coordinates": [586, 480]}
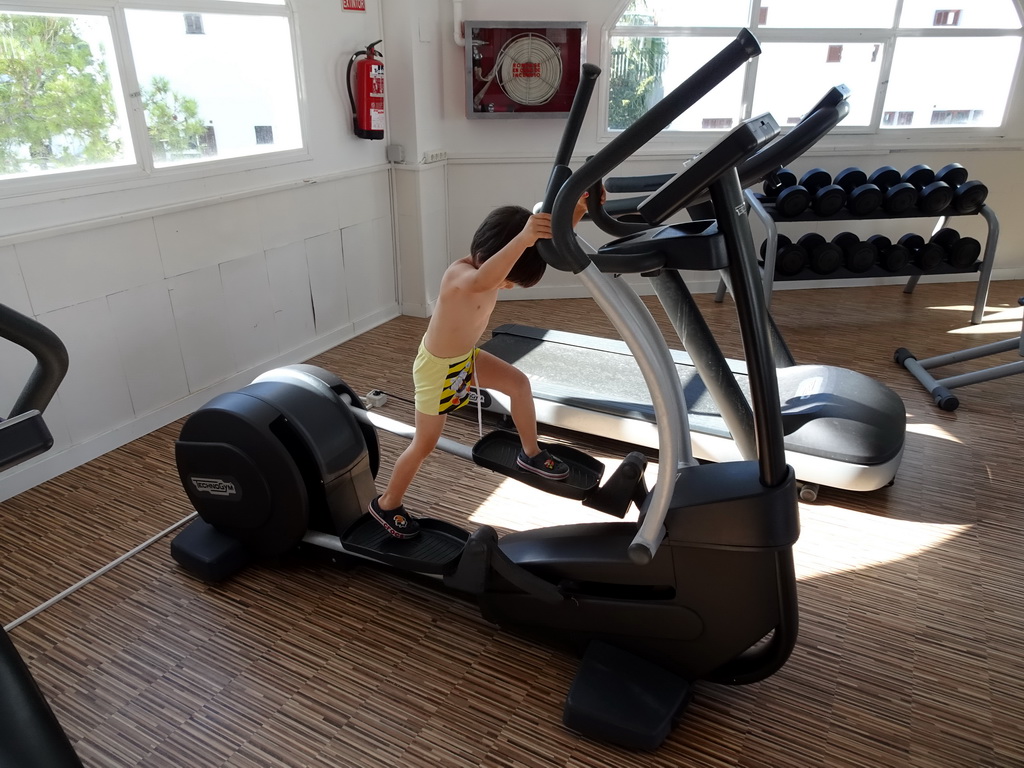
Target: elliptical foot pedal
{"type": "Point", "coordinates": [620, 698]}
{"type": "Point", "coordinates": [207, 553]}
{"type": "Point", "coordinates": [436, 549]}
{"type": "Point", "coordinates": [498, 450]}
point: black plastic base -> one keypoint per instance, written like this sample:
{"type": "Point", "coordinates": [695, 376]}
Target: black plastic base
{"type": "Point", "coordinates": [619, 698]}
{"type": "Point", "coordinates": [435, 550]}
{"type": "Point", "coordinates": [207, 553]}
{"type": "Point", "coordinates": [498, 451]}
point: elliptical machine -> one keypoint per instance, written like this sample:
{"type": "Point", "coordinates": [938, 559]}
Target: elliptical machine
{"type": "Point", "coordinates": [701, 587]}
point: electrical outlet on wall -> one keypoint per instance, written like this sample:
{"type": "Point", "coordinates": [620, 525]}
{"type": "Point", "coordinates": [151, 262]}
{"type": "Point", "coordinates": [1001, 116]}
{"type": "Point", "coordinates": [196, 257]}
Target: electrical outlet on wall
{"type": "Point", "coordinates": [434, 156]}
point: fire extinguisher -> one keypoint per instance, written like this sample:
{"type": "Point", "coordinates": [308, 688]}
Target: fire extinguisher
{"type": "Point", "coordinates": [368, 101]}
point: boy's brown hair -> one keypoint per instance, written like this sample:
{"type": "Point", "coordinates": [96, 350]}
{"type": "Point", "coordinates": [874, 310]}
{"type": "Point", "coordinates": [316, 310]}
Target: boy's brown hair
{"type": "Point", "coordinates": [495, 232]}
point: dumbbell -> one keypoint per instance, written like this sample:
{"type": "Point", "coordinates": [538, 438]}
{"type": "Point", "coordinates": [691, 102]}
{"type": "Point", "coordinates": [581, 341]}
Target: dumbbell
{"type": "Point", "coordinates": [932, 196]}
{"type": "Point", "coordinates": [790, 258]}
{"type": "Point", "coordinates": [791, 199]}
{"type": "Point", "coordinates": [892, 257]}
{"type": "Point", "coordinates": [823, 257]}
{"type": "Point", "coordinates": [959, 252]}
{"type": "Point", "coordinates": [827, 199]}
{"type": "Point", "coordinates": [858, 255]}
{"type": "Point", "coordinates": [968, 196]}
{"type": "Point", "coordinates": [898, 196]}
{"type": "Point", "coordinates": [926, 256]}
{"type": "Point", "coordinates": [862, 197]}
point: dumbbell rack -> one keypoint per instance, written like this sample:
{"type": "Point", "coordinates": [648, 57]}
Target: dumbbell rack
{"type": "Point", "coordinates": [765, 212]}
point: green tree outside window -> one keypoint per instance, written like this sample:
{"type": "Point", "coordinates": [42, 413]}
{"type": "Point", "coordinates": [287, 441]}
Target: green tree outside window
{"type": "Point", "coordinates": [56, 99]}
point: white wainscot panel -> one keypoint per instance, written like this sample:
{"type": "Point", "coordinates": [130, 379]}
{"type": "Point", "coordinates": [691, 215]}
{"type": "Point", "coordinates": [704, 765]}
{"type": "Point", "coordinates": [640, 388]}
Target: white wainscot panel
{"type": "Point", "coordinates": [148, 341]}
{"type": "Point", "coordinates": [74, 268]}
{"type": "Point", "coordinates": [209, 235]}
{"type": "Point", "coordinates": [198, 303]}
{"type": "Point", "coordinates": [249, 310]}
{"type": "Point", "coordinates": [12, 284]}
{"type": "Point", "coordinates": [407, 192]}
{"type": "Point", "coordinates": [327, 282]}
{"type": "Point", "coordinates": [369, 268]}
{"type": "Point", "coordinates": [362, 198]}
{"type": "Point", "coordinates": [290, 295]}
{"type": "Point", "coordinates": [94, 395]}
{"type": "Point", "coordinates": [295, 214]}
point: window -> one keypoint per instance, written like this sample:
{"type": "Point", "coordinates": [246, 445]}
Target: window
{"type": "Point", "coordinates": [67, 99]}
{"type": "Point", "coordinates": [903, 61]}
{"type": "Point", "coordinates": [193, 24]}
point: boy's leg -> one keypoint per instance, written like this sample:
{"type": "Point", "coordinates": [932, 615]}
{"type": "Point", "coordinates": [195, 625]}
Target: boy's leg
{"type": "Point", "coordinates": [428, 432]}
{"type": "Point", "coordinates": [494, 373]}
{"type": "Point", "coordinates": [387, 508]}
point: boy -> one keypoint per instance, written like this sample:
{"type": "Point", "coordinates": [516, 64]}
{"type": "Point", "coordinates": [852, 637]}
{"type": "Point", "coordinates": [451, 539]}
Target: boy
{"type": "Point", "coordinates": [502, 255]}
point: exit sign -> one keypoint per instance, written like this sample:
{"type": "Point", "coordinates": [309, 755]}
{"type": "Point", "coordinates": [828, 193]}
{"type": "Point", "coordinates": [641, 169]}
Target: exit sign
{"type": "Point", "coordinates": [353, 5]}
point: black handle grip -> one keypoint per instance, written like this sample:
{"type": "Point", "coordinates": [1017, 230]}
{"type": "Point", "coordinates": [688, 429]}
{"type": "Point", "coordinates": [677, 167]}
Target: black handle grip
{"type": "Point", "coordinates": [49, 351]}
{"type": "Point", "coordinates": [563, 156]}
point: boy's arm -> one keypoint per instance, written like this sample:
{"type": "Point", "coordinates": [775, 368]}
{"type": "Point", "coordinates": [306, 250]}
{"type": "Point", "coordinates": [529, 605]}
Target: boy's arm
{"type": "Point", "coordinates": [581, 206]}
{"type": "Point", "coordinates": [492, 273]}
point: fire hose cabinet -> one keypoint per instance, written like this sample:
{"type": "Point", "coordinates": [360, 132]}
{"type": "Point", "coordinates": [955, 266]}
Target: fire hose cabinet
{"type": "Point", "coordinates": [522, 69]}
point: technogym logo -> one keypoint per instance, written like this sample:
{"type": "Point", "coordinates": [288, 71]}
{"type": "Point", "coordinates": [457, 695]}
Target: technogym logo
{"type": "Point", "coordinates": [214, 486]}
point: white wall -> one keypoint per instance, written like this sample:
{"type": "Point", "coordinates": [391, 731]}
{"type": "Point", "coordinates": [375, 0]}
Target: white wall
{"type": "Point", "coordinates": [167, 292]}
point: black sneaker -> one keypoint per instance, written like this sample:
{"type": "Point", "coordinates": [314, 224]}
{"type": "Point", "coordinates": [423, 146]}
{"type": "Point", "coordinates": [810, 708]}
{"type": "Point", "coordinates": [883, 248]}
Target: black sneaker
{"type": "Point", "coordinates": [543, 464]}
{"type": "Point", "coordinates": [396, 521]}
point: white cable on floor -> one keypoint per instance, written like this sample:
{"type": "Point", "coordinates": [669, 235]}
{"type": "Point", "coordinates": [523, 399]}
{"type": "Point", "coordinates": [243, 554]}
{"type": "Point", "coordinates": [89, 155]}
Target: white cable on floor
{"type": "Point", "coordinates": [97, 574]}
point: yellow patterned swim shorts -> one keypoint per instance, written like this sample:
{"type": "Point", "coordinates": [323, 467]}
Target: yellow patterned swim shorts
{"type": "Point", "coordinates": [442, 383]}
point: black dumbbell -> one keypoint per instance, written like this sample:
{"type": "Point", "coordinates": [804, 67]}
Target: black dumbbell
{"type": "Point", "coordinates": [960, 252]}
{"type": "Point", "coordinates": [858, 255]}
{"type": "Point", "coordinates": [823, 257]}
{"type": "Point", "coordinates": [892, 257]}
{"type": "Point", "coordinates": [926, 256]}
{"type": "Point", "coordinates": [790, 258]}
{"type": "Point", "coordinates": [827, 199]}
{"type": "Point", "coordinates": [899, 196]}
{"type": "Point", "coordinates": [791, 199]}
{"type": "Point", "coordinates": [932, 196]}
{"type": "Point", "coordinates": [968, 196]}
{"type": "Point", "coordinates": [862, 198]}
{"type": "Point", "coordinates": [953, 174]}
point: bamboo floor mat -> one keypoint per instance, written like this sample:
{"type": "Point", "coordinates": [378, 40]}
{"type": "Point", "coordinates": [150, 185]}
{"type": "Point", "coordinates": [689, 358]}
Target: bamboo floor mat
{"type": "Point", "coordinates": [910, 653]}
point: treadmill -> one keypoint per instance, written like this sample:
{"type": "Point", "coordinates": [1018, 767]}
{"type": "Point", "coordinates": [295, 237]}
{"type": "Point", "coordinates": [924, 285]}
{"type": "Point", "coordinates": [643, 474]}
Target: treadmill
{"type": "Point", "coordinates": [842, 429]}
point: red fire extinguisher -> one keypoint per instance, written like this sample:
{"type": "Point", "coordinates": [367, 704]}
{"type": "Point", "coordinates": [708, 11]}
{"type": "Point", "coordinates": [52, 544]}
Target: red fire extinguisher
{"type": "Point", "coordinates": [368, 101]}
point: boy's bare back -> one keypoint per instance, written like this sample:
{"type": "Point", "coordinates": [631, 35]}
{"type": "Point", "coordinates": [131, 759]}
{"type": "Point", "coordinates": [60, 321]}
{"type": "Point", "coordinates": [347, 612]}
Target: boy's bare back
{"type": "Point", "coordinates": [468, 293]}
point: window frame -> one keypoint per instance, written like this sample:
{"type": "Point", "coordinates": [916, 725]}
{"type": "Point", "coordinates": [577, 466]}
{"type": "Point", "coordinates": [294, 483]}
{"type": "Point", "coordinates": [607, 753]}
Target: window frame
{"type": "Point", "coordinates": [139, 166]}
{"type": "Point", "coordinates": [887, 37]}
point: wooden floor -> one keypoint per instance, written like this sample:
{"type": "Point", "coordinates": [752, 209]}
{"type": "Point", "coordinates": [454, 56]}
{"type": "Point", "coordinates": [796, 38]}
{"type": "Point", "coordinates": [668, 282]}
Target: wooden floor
{"type": "Point", "coordinates": [911, 650]}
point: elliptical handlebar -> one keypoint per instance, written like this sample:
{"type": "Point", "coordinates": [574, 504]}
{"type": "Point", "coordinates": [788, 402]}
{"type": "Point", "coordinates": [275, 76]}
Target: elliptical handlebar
{"type": "Point", "coordinates": [51, 359]}
{"type": "Point", "coordinates": [570, 257]}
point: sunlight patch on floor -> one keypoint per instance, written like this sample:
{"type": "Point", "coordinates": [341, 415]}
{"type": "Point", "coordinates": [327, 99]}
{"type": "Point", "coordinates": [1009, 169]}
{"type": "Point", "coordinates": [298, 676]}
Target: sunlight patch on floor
{"type": "Point", "coordinates": [837, 540]}
{"type": "Point", "coordinates": [932, 430]}
{"type": "Point", "coordinates": [997, 320]}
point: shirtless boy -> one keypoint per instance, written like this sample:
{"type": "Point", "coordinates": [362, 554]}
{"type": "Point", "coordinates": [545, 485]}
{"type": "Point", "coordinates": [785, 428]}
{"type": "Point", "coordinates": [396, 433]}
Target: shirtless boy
{"type": "Point", "coordinates": [502, 255]}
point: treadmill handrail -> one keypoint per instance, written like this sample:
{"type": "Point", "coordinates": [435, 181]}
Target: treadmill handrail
{"type": "Point", "coordinates": [815, 125]}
